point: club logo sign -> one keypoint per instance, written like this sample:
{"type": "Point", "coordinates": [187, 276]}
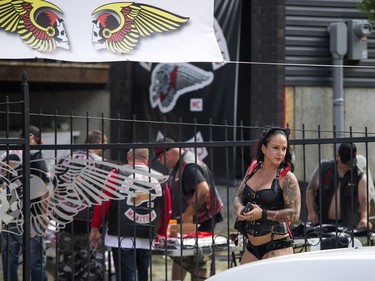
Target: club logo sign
{"type": "Point", "coordinates": [121, 25]}
{"type": "Point", "coordinates": [170, 81]}
{"type": "Point", "coordinates": [117, 27]}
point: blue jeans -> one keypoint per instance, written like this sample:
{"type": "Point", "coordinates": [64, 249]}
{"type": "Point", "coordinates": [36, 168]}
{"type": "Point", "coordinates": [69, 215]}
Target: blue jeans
{"type": "Point", "coordinates": [131, 263]}
{"type": "Point", "coordinates": [38, 259]}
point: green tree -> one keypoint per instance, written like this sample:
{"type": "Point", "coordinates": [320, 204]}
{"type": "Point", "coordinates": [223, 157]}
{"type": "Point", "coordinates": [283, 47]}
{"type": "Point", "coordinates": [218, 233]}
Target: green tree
{"type": "Point", "coordinates": [368, 6]}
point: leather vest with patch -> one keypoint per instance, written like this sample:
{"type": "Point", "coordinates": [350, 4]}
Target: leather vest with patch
{"type": "Point", "coordinates": [139, 216]}
{"type": "Point", "coordinates": [213, 204]}
{"type": "Point", "coordinates": [349, 203]}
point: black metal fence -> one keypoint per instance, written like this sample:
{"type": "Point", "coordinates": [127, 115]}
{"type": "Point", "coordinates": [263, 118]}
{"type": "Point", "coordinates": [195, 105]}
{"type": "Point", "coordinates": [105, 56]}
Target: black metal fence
{"type": "Point", "coordinates": [226, 153]}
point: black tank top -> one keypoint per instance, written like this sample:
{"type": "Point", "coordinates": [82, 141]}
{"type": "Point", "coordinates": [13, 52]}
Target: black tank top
{"type": "Point", "coordinates": [269, 199]}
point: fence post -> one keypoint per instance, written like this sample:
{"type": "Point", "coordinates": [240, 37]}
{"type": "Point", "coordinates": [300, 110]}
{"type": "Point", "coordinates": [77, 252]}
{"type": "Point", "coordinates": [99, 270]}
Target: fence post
{"type": "Point", "coordinates": [26, 176]}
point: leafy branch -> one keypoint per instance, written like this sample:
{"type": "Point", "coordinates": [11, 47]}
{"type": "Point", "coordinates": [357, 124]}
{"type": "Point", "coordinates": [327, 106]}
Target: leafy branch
{"type": "Point", "coordinates": [368, 6]}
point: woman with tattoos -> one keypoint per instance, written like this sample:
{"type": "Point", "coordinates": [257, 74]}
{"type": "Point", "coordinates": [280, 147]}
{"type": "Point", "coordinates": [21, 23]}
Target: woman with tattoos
{"type": "Point", "coordinates": [274, 194]}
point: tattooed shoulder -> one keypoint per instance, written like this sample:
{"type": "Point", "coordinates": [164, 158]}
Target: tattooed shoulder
{"type": "Point", "coordinates": [289, 182]}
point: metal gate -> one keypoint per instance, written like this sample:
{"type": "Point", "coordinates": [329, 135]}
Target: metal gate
{"type": "Point", "coordinates": [94, 260]}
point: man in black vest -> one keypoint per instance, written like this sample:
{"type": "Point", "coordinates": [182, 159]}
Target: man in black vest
{"type": "Point", "coordinates": [191, 184]}
{"type": "Point", "coordinates": [132, 223]}
{"type": "Point", "coordinates": [343, 187]}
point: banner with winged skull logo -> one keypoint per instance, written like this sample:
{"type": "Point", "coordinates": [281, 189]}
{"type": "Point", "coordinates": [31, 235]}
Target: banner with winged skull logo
{"type": "Point", "coordinates": [96, 30]}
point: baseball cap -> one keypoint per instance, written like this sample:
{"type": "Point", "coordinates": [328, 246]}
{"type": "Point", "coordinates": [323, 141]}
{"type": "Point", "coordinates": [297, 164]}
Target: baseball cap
{"type": "Point", "coordinates": [348, 153]}
{"type": "Point", "coordinates": [160, 150]}
{"type": "Point", "coordinates": [34, 131]}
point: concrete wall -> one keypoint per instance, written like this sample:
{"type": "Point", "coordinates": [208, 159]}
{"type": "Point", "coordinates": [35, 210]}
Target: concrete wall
{"type": "Point", "coordinates": [313, 108]}
{"type": "Point", "coordinates": [80, 103]}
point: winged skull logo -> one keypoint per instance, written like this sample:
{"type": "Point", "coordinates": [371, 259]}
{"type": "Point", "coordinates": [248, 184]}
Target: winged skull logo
{"type": "Point", "coordinates": [77, 184]}
{"type": "Point", "coordinates": [170, 81]}
{"type": "Point", "coordinates": [36, 22]}
{"type": "Point", "coordinates": [9, 200]}
{"type": "Point", "coordinates": [120, 25]}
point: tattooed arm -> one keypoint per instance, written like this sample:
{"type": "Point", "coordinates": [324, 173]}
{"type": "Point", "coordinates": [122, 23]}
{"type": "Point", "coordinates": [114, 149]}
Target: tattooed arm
{"type": "Point", "coordinates": [364, 202]}
{"type": "Point", "coordinates": [238, 201]}
{"type": "Point", "coordinates": [199, 197]}
{"type": "Point", "coordinates": [292, 200]}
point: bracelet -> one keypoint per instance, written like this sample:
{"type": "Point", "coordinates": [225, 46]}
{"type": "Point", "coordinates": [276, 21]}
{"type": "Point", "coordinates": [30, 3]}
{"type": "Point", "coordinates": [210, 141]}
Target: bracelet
{"type": "Point", "coordinates": [264, 214]}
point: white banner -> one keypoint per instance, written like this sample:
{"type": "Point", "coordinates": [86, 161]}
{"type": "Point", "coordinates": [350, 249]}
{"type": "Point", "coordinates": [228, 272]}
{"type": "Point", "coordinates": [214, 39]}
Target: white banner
{"type": "Point", "coordinates": [96, 30]}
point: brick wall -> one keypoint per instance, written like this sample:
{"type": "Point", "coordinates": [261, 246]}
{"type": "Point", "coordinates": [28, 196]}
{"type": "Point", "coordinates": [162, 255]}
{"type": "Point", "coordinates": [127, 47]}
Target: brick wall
{"type": "Point", "coordinates": [267, 46]}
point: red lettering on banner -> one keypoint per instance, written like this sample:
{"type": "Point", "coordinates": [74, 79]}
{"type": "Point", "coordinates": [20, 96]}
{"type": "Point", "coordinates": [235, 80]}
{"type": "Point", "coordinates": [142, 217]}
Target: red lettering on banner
{"type": "Point", "coordinates": [196, 105]}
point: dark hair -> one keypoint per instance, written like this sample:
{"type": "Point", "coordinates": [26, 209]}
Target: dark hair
{"type": "Point", "coordinates": [268, 133]}
{"type": "Point", "coordinates": [95, 136]}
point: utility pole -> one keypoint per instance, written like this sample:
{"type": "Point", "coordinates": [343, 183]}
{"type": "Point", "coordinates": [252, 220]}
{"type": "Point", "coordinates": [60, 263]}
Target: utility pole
{"type": "Point", "coordinates": [349, 39]}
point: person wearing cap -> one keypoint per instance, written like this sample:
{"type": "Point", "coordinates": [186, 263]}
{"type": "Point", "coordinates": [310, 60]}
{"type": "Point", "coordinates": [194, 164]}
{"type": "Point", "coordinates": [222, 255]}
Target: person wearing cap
{"type": "Point", "coordinates": [191, 183]}
{"type": "Point", "coordinates": [343, 187]}
{"type": "Point", "coordinates": [10, 253]}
